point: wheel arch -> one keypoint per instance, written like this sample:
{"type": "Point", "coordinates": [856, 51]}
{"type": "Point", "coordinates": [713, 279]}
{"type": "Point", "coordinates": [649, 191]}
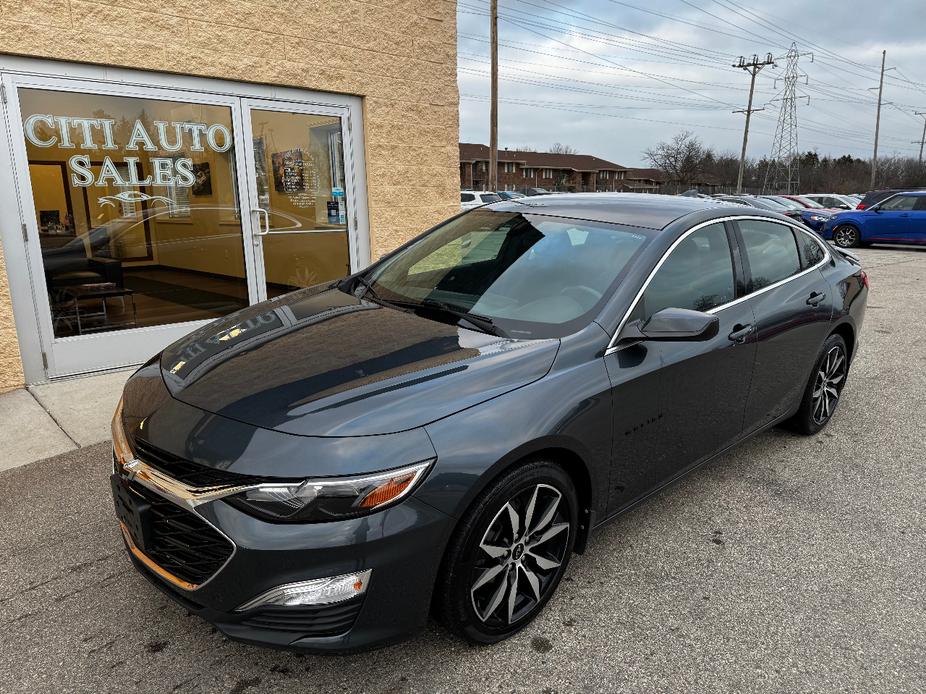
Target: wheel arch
{"type": "Point", "coordinates": [568, 454]}
{"type": "Point", "coordinates": [847, 332]}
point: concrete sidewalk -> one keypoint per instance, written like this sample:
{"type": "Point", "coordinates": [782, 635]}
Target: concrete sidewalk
{"type": "Point", "coordinates": [44, 420]}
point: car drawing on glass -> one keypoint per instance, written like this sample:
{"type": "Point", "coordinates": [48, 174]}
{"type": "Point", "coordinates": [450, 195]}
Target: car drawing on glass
{"type": "Point", "coordinates": [441, 432]}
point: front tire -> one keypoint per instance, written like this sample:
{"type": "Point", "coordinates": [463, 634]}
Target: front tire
{"type": "Point", "coordinates": [821, 396]}
{"type": "Point", "coordinates": [508, 554]}
{"type": "Point", "coordinates": [847, 236]}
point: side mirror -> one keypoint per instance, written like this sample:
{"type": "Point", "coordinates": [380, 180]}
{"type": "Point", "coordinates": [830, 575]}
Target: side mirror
{"type": "Point", "coordinates": [673, 325]}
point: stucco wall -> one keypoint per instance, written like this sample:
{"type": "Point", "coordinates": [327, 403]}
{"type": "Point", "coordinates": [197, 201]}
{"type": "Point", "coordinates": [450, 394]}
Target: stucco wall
{"type": "Point", "coordinates": [11, 372]}
{"type": "Point", "coordinates": [400, 55]}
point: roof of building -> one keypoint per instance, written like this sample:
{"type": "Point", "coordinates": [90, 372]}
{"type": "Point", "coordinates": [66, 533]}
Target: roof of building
{"type": "Point", "coordinates": [634, 209]}
{"type": "Point", "coordinates": [645, 174]}
{"type": "Point", "coordinates": [541, 160]}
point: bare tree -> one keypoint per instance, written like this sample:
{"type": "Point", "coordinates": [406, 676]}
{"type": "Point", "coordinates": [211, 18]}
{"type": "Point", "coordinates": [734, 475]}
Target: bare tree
{"type": "Point", "coordinates": [560, 148]}
{"type": "Point", "coordinates": [682, 158]}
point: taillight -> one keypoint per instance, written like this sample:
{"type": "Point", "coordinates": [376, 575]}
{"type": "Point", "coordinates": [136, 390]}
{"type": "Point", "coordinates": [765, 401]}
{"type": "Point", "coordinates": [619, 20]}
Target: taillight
{"type": "Point", "coordinates": [865, 279]}
{"type": "Point", "coordinates": [860, 206]}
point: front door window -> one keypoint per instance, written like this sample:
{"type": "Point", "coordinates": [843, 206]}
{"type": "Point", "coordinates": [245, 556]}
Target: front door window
{"type": "Point", "coordinates": [137, 210]}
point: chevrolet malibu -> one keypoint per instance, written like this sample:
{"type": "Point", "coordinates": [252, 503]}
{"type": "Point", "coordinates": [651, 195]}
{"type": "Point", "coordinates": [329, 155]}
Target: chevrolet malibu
{"type": "Point", "coordinates": [440, 433]}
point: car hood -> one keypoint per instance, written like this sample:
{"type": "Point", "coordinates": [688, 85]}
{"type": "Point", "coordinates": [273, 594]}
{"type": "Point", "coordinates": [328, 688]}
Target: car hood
{"type": "Point", "coordinates": [320, 362]}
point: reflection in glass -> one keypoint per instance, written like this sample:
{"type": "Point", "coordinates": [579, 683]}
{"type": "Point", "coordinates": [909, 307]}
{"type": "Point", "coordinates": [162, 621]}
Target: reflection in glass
{"type": "Point", "coordinates": [136, 207]}
{"type": "Point", "coordinates": [299, 164]}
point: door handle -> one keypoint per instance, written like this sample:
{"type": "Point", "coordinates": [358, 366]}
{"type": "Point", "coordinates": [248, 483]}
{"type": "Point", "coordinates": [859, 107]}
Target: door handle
{"type": "Point", "coordinates": [266, 228]}
{"type": "Point", "coordinates": [815, 298]}
{"type": "Point", "coordinates": [741, 332]}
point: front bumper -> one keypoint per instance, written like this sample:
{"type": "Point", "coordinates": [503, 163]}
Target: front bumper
{"type": "Point", "coordinates": [402, 545]}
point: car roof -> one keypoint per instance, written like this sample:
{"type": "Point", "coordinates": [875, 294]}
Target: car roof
{"type": "Point", "coordinates": [647, 210]}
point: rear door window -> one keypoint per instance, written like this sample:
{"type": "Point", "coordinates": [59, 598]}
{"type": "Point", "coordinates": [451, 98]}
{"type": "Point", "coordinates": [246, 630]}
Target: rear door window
{"type": "Point", "coordinates": [771, 252]}
{"type": "Point", "coordinates": [811, 251]}
{"type": "Point", "coordinates": [467, 197]}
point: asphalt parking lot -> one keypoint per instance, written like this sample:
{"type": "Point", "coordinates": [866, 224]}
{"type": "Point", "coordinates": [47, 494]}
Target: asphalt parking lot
{"type": "Point", "coordinates": [790, 564]}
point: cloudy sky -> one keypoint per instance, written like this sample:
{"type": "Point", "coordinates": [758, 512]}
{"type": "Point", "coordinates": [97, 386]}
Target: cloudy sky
{"type": "Point", "coordinates": [613, 78]}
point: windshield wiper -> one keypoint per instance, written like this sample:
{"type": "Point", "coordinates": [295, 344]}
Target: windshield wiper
{"type": "Point", "coordinates": [367, 288]}
{"type": "Point", "coordinates": [483, 323]}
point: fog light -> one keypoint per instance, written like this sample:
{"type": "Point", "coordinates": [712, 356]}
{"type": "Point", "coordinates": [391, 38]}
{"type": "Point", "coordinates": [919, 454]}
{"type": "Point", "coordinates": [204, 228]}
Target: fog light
{"type": "Point", "coordinates": [319, 591]}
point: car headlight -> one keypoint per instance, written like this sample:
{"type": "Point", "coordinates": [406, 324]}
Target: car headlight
{"type": "Point", "coordinates": [122, 452]}
{"type": "Point", "coordinates": [818, 218]}
{"type": "Point", "coordinates": [327, 499]}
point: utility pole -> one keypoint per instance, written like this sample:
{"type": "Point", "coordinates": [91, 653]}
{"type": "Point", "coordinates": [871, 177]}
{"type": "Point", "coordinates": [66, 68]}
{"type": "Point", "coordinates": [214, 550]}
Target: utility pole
{"type": "Point", "coordinates": [493, 115]}
{"type": "Point", "coordinates": [874, 156]}
{"type": "Point", "coordinates": [922, 140]}
{"type": "Point", "coordinates": [752, 68]}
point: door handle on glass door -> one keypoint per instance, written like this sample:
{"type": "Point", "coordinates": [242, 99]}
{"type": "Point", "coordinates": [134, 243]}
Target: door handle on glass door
{"type": "Point", "coordinates": [266, 229]}
{"type": "Point", "coordinates": [815, 298]}
{"type": "Point", "coordinates": [741, 332]}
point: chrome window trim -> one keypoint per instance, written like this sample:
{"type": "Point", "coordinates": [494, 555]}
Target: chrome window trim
{"type": "Point", "coordinates": [731, 218]}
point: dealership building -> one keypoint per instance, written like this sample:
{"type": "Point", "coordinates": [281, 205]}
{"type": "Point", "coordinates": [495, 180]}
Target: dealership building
{"type": "Point", "coordinates": [164, 164]}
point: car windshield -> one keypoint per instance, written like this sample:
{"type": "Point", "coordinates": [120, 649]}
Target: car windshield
{"type": "Point", "coordinates": [810, 203]}
{"type": "Point", "coordinates": [784, 202]}
{"type": "Point", "coordinates": [532, 275]}
{"type": "Point", "coordinates": [766, 204]}
{"type": "Point", "coordinates": [489, 197]}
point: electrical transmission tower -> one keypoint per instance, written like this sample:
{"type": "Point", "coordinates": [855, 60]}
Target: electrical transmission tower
{"type": "Point", "coordinates": [783, 172]}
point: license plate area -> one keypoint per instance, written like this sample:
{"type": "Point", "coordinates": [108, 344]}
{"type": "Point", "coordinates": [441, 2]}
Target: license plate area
{"type": "Point", "coordinates": [133, 511]}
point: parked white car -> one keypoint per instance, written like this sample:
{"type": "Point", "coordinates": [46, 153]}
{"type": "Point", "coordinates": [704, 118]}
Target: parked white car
{"type": "Point", "coordinates": [833, 200]}
{"type": "Point", "coordinates": [474, 198]}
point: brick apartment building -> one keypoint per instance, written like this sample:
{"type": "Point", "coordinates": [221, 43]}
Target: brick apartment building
{"type": "Point", "coordinates": [574, 173]}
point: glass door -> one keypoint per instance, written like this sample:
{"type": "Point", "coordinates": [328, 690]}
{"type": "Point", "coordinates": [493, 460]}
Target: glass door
{"type": "Point", "coordinates": [133, 225]}
{"type": "Point", "coordinates": [298, 195]}
{"type": "Point", "coordinates": [149, 210]}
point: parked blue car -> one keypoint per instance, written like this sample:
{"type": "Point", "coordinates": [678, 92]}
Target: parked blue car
{"type": "Point", "coordinates": [900, 218]}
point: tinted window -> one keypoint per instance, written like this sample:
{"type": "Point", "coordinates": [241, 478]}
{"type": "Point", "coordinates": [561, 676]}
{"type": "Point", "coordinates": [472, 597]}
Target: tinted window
{"type": "Point", "coordinates": [920, 203]}
{"type": "Point", "coordinates": [489, 197]}
{"type": "Point", "coordinates": [467, 197]}
{"type": "Point", "coordinates": [534, 275]}
{"type": "Point", "coordinates": [771, 252]}
{"type": "Point", "coordinates": [900, 203]}
{"type": "Point", "coordinates": [811, 251]}
{"type": "Point", "coordinates": [697, 275]}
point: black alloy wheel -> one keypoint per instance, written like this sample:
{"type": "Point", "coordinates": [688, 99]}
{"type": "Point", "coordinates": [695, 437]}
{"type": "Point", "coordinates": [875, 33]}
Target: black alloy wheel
{"type": "Point", "coordinates": [821, 397]}
{"type": "Point", "coordinates": [509, 554]}
{"type": "Point", "coordinates": [846, 236]}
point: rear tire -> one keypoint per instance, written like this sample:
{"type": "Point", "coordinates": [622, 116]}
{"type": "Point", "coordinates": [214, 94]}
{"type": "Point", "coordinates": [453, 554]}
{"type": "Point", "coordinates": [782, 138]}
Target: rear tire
{"type": "Point", "coordinates": [821, 396]}
{"type": "Point", "coordinates": [508, 554]}
{"type": "Point", "coordinates": [847, 236]}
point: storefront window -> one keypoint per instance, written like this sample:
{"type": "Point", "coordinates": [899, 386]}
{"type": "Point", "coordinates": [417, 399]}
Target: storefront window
{"type": "Point", "coordinates": [137, 209]}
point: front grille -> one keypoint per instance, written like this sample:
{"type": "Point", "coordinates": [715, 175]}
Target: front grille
{"type": "Point", "coordinates": [182, 542]}
{"type": "Point", "coordinates": [308, 620]}
{"type": "Point", "coordinates": [186, 471]}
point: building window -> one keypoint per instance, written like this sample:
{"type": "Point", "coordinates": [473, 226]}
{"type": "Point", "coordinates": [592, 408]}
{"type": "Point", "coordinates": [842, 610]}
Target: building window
{"type": "Point", "coordinates": [528, 173]}
{"type": "Point", "coordinates": [509, 167]}
{"type": "Point", "coordinates": [546, 173]}
{"type": "Point", "coordinates": [604, 174]}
